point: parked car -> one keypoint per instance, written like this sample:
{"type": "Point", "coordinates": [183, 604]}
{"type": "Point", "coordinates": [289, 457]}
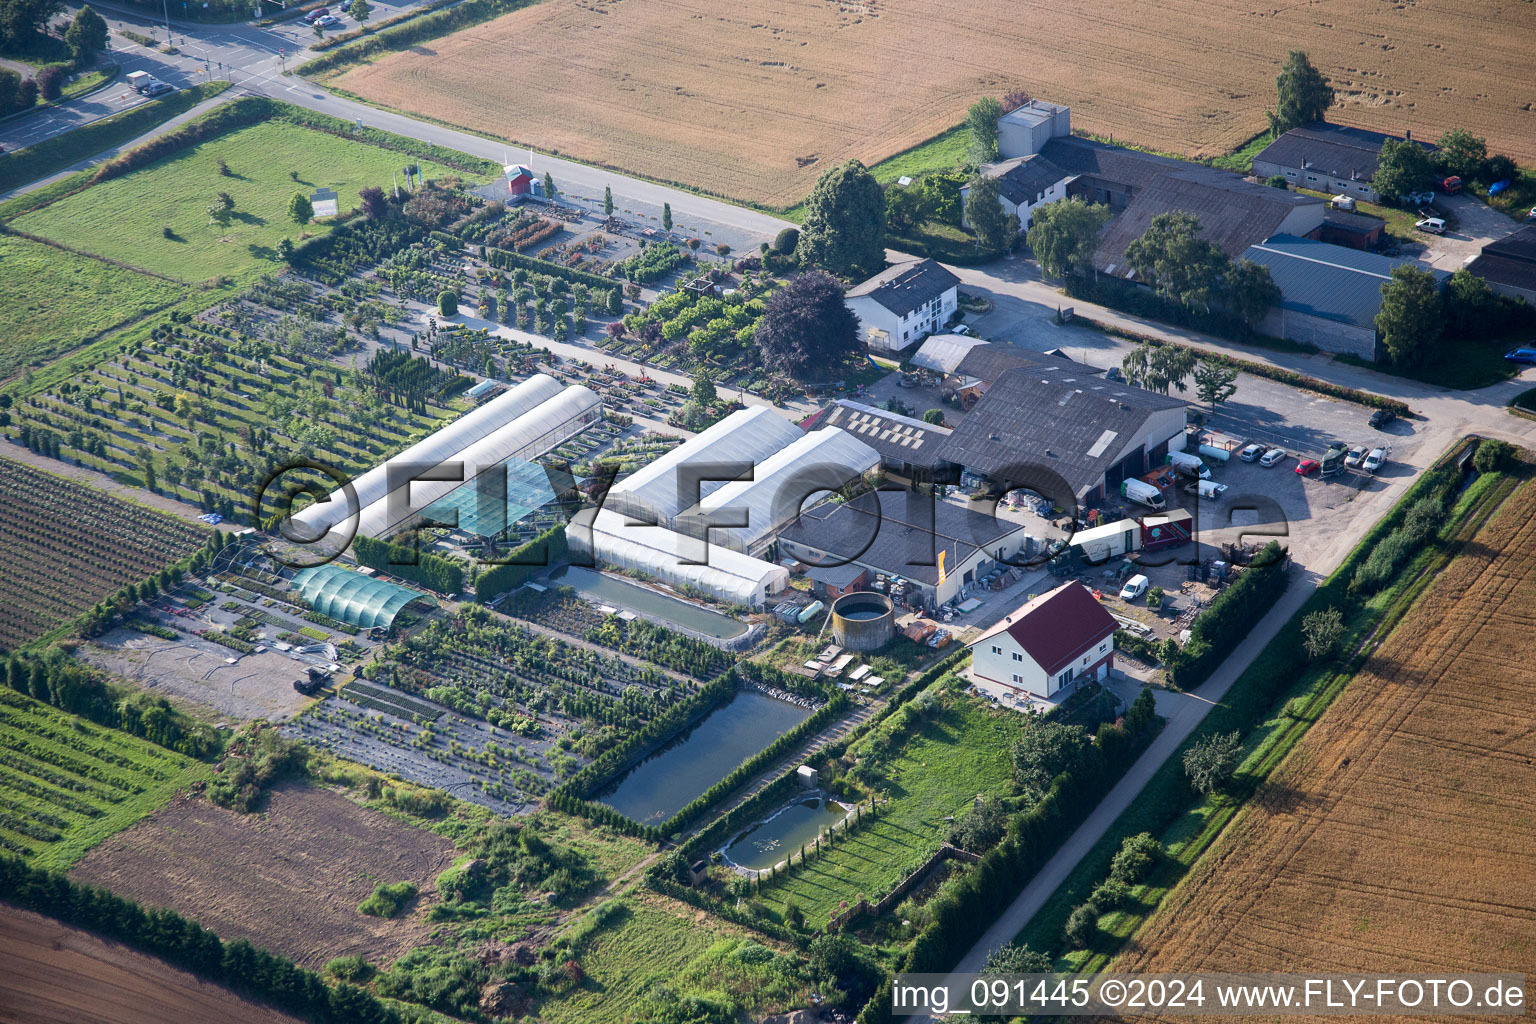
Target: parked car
{"type": "Point", "coordinates": [316, 15]}
{"type": "Point", "coordinates": [1450, 186]}
{"type": "Point", "coordinates": [962, 330]}
{"type": "Point", "coordinates": [1306, 466]}
{"type": "Point", "coordinates": [1355, 455]}
{"type": "Point", "coordinates": [1521, 355]}
{"type": "Point", "coordinates": [1251, 453]}
{"type": "Point", "coordinates": [1272, 456]}
{"type": "Point", "coordinates": [1134, 587]}
{"type": "Point", "coordinates": [1418, 198]}
{"type": "Point", "coordinates": [1375, 460]}
{"type": "Point", "coordinates": [1431, 225]}
{"type": "Point", "coordinates": [1381, 417]}
{"type": "Point", "coordinates": [327, 20]}
{"type": "Point", "coordinates": [1343, 202]}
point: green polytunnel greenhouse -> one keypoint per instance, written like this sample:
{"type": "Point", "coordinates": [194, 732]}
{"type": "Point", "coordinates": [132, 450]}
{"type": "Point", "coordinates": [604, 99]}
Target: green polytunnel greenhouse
{"type": "Point", "coordinates": [351, 597]}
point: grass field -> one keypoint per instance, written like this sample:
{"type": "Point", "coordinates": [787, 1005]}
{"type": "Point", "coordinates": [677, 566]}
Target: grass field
{"type": "Point", "coordinates": [1361, 854]}
{"type": "Point", "coordinates": [754, 103]}
{"type": "Point", "coordinates": [53, 301]}
{"type": "Point", "coordinates": [123, 218]}
{"type": "Point", "coordinates": [964, 750]}
{"type": "Point", "coordinates": [66, 784]}
{"type": "Point", "coordinates": [68, 547]}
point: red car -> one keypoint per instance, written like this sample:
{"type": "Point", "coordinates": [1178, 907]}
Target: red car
{"type": "Point", "coordinates": [318, 12]}
{"type": "Point", "coordinates": [1306, 466]}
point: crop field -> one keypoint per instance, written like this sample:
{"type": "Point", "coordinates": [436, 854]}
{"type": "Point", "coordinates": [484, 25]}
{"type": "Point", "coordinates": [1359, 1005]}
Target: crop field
{"type": "Point", "coordinates": [1400, 835]}
{"type": "Point", "coordinates": [67, 547]}
{"type": "Point", "coordinates": [289, 879]}
{"type": "Point", "coordinates": [128, 218]}
{"type": "Point", "coordinates": [66, 784]}
{"type": "Point", "coordinates": [962, 750]}
{"type": "Point", "coordinates": [52, 301]}
{"type": "Point", "coordinates": [753, 102]}
{"type": "Point", "coordinates": [50, 971]}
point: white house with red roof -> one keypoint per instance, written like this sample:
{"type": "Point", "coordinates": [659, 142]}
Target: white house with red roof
{"type": "Point", "coordinates": [1048, 644]}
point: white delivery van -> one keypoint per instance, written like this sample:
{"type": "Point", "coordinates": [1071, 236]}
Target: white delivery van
{"type": "Point", "coordinates": [1134, 587]}
{"type": "Point", "coordinates": [1189, 465]}
{"type": "Point", "coordinates": [1208, 490]}
{"type": "Point", "coordinates": [1143, 493]}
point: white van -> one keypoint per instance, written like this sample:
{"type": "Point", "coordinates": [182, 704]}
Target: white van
{"type": "Point", "coordinates": [1208, 490]}
{"type": "Point", "coordinates": [1189, 465]}
{"type": "Point", "coordinates": [1433, 225]}
{"type": "Point", "coordinates": [1143, 493]}
{"type": "Point", "coordinates": [1134, 587]}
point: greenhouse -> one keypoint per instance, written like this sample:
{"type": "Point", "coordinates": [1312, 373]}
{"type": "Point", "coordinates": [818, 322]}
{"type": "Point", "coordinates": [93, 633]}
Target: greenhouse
{"type": "Point", "coordinates": [545, 426]}
{"type": "Point", "coordinates": [615, 540]}
{"type": "Point", "coordinates": [439, 446]}
{"type": "Point", "coordinates": [480, 512]}
{"type": "Point", "coordinates": [353, 598]}
{"type": "Point", "coordinates": [747, 435]}
{"type": "Point", "coordinates": [821, 461]}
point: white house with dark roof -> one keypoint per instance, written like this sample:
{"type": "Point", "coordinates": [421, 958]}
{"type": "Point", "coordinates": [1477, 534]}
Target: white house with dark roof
{"type": "Point", "coordinates": [1024, 184]}
{"type": "Point", "coordinates": [1048, 645]}
{"type": "Point", "coordinates": [904, 304]}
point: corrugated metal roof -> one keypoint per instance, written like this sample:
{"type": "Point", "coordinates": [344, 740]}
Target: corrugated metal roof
{"type": "Point", "coordinates": [942, 353]}
{"type": "Point", "coordinates": [1336, 150]}
{"type": "Point", "coordinates": [1328, 281]}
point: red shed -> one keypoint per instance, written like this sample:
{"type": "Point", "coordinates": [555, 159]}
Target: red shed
{"type": "Point", "coordinates": [519, 179]}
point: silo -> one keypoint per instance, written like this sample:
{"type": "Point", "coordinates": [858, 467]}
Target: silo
{"type": "Point", "coordinates": [863, 621]}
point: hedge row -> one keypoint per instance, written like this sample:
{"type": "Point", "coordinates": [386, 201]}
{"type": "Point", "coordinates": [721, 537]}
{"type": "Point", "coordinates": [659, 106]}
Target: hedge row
{"type": "Point", "coordinates": [342, 38]}
{"type": "Point", "coordinates": [434, 572]}
{"type": "Point", "coordinates": [246, 111]}
{"type": "Point", "coordinates": [187, 944]}
{"type": "Point", "coordinates": [547, 549]}
{"type": "Point", "coordinates": [721, 908]}
{"type": "Point", "coordinates": [506, 260]}
{"type": "Point", "coordinates": [431, 26]}
{"type": "Point", "coordinates": [1222, 626]}
{"type": "Point", "coordinates": [454, 158]}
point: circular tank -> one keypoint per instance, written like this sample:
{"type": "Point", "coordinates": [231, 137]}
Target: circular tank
{"type": "Point", "coordinates": [863, 621]}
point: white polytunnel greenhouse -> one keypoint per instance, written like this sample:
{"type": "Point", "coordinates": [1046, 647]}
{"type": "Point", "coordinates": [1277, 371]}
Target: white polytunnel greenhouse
{"type": "Point", "coordinates": [814, 463]}
{"type": "Point", "coordinates": [437, 447]}
{"type": "Point", "coordinates": [613, 539]}
{"type": "Point", "coordinates": [545, 426]}
{"type": "Point", "coordinates": [747, 435]}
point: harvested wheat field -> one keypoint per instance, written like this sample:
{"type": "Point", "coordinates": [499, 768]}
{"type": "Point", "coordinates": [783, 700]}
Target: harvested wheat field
{"type": "Point", "coordinates": [752, 101]}
{"type": "Point", "coordinates": [1400, 835]}
{"type": "Point", "coordinates": [288, 878]}
{"type": "Point", "coordinates": [50, 972]}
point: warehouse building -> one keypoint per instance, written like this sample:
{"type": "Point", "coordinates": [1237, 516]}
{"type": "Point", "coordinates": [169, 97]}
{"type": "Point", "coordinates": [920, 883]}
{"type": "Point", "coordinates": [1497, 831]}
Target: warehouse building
{"type": "Point", "coordinates": [907, 447]}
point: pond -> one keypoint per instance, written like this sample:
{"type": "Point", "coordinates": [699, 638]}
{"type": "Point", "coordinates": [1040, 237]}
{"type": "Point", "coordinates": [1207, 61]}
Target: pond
{"type": "Point", "coordinates": [674, 776]}
{"type": "Point", "coordinates": [648, 603]}
{"type": "Point", "coordinates": [772, 839]}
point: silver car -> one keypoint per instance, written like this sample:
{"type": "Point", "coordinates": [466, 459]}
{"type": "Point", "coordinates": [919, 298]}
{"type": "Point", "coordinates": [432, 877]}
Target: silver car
{"type": "Point", "coordinates": [1272, 456]}
{"type": "Point", "coordinates": [1355, 456]}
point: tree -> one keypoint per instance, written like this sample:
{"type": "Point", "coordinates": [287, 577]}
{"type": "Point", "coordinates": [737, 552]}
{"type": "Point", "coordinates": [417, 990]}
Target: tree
{"type": "Point", "coordinates": [785, 241]}
{"type": "Point", "coordinates": [1250, 291]}
{"type": "Point", "coordinates": [286, 250]}
{"type": "Point", "coordinates": [704, 391]}
{"type": "Point", "coordinates": [448, 302]}
{"type": "Point", "coordinates": [1410, 319]}
{"type": "Point", "coordinates": [1302, 94]}
{"type": "Point", "coordinates": [1046, 750]}
{"type": "Point", "coordinates": [1469, 304]}
{"type": "Point", "coordinates": [1158, 367]}
{"type": "Point", "coordinates": [10, 90]}
{"type": "Point", "coordinates": [375, 205]}
{"type": "Point", "coordinates": [219, 214]}
{"type": "Point", "coordinates": [300, 209]}
{"type": "Point", "coordinates": [1402, 167]}
{"type": "Point", "coordinates": [1211, 761]}
{"type": "Point", "coordinates": [607, 201]}
{"type": "Point", "coordinates": [1321, 632]}
{"type": "Point", "coordinates": [360, 11]}
{"type": "Point", "coordinates": [903, 209]}
{"type": "Point", "coordinates": [1172, 258]}
{"type": "Point", "coordinates": [1017, 958]}
{"type": "Point", "coordinates": [807, 330]}
{"type": "Point", "coordinates": [26, 94]}
{"type": "Point", "coordinates": [1063, 235]}
{"type": "Point", "coordinates": [1215, 383]}
{"type": "Point", "coordinates": [981, 124]}
{"type": "Point", "coordinates": [995, 229]}
{"type": "Point", "coordinates": [50, 81]}
{"type": "Point", "coordinates": [1461, 153]}
{"type": "Point", "coordinates": [1493, 456]}
{"type": "Point", "coordinates": [1082, 926]}
{"type": "Point", "coordinates": [1136, 858]}
{"type": "Point", "coordinates": [86, 36]}
{"type": "Point", "coordinates": [666, 216]}
{"type": "Point", "coordinates": [21, 19]}
{"type": "Point", "coordinates": [549, 187]}
{"type": "Point", "coordinates": [979, 829]}
{"type": "Point", "coordinates": [844, 226]}
{"type": "Point", "coordinates": [934, 416]}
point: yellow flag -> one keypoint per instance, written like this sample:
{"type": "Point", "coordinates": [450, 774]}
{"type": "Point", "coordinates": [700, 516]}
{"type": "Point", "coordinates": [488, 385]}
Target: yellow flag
{"type": "Point", "coordinates": [942, 553]}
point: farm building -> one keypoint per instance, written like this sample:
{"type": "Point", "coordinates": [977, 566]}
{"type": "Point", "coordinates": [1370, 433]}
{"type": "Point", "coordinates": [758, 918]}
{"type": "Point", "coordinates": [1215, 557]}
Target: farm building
{"type": "Point", "coordinates": [1048, 645]}
{"type": "Point", "coordinates": [1064, 422]}
{"type": "Point", "coordinates": [1024, 184]}
{"type": "Point", "coordinates": [1332, 158]}
{"type": "Point", "coordinates": [904, 304]}
{"type": "Point", "coordinates": [482, 389]}
{"type": "Point", "coordinates": [906, 446]}
{"type": "Point", "coordinates": [520, 181]}
{"type": "Point", "coordinates": [352, 597]}
{"type": "Point", "coordinates": [983, 364]}
{"type": "Point", "coordinates": [440, 446]}
{"type": "Point", "coordinates": [1330, 295]}
{"type": "Point", "coordinates": [938, 547]}
{"type": "Point", "coordinates": [1509, 264]}
{"type": "Point", "coordinates": [942, 353]}
{"type": "Point", "coordinates": [833, 581]}
{"type": "Point", "coordinates": [1355, 230]}
{"type": "Point", "coordinates": [1025, 129]}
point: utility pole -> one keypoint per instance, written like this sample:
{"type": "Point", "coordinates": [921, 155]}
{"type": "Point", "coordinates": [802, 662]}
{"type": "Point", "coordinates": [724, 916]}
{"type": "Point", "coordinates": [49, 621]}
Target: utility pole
{"type": "Point", "coordinates": [165, 5]}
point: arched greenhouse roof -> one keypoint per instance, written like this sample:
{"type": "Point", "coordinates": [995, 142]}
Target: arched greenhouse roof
{"type": "Point", "coordinates": [351, 597]}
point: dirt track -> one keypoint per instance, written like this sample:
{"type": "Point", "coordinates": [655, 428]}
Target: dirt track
{"type": "Point", "coordinates": [50, 972]}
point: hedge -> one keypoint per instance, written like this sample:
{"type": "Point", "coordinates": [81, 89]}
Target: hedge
{"type": "Point", "coordinates": [1222, 626]}
{"type": "Point", "coordinates": [431, 571]}
{"type": "Point", "coordinates": [547, 549]}
{"type": "Point", "coordinates": [431, 26]}
{"type": "Point", "coordinates": [506, 260]}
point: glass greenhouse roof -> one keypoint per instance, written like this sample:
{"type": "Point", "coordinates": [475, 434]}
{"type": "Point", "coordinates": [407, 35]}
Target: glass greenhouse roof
{"type": "Point", "coordinates": [352, 597]}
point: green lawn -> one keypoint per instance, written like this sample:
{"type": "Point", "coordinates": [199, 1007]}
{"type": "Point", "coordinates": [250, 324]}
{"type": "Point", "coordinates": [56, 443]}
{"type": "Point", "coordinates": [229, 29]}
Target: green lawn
{"type": "Point", "coordinates": [53, 301]}
{"type": "Point", "coordinates": [964, 750]}
{"type": "Point", "coordinates": [124, 218]}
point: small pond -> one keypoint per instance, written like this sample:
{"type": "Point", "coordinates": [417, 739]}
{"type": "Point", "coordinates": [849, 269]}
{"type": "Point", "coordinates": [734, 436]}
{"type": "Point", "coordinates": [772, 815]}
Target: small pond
{"type": "Point", "coordinates": [763, 845]}
{"type": "Point", "coordinates": [675, 775]}
{"type": "Point", "coordinates": [607, 589]}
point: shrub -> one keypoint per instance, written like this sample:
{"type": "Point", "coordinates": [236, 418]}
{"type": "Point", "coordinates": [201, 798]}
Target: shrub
{"type": "Point", "coordinates": [388, 900]}
{"type": "Point", "coordinates": [350, 968]}
{"type": "Point", "coordinates": [1138, 855]}
{"type": "Point", "coordinates": [1493, 455]}
{"type": "Point", "coordinates": [50, 82]}
{"type": "Point", "coordinates": [1227, 621]}
{"type": "Point", "coordinates": [1110, 894]}
{"type": "Point", "coordinates": [785, 241]}
{"type": "Point", "coordinates": [1083, 926]}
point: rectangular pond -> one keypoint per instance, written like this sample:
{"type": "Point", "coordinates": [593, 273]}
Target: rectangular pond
{"type": "Point", "coordinates": [701, 756]}
{"type": "Point", "coordinates": [648, 603]}
{"type": "Point", "coordinates": [768, 842]}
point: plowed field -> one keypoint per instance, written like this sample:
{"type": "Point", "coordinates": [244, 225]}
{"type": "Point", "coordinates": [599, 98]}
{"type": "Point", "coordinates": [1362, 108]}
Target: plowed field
{"type": "Point", "coordinates": [753, 100]}
{"type": "Point", "coordinates": [288, 879]}
{"type": "Point", "coordinates": [1401, 833]}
